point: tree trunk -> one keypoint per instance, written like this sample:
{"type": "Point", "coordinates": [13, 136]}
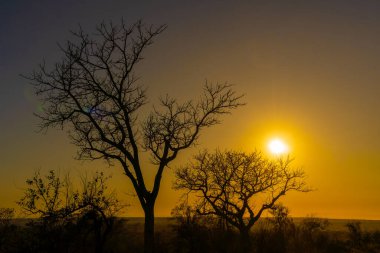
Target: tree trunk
{"type": "Point", "coordinates": [149, 228]}
{"type": "Point", "coordinates": [245, 240]}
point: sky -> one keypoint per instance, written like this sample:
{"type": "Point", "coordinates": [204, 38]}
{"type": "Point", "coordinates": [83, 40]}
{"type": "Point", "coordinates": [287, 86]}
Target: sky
{"type": "Point", "coordinates": [309, 71]}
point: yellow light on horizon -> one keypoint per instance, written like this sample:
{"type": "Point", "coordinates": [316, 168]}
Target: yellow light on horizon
{"type": "Point", "coordinates": [277, 147]}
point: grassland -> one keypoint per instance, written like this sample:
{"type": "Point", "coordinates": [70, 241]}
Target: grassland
{"type": "Point", "coordinates": [165, 224]}
{"type": "Point", "coordinates": [300, 235]}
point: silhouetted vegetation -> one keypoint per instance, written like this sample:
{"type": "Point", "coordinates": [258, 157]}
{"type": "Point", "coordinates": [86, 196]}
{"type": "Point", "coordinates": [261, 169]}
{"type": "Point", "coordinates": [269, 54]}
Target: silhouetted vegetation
{"type": "Point", "coordinates": [189, 232]}
{"type": "Point", "coordinates": [6, 228]}
{"type": "Point", "coordinates": [238, 187]}
{"type": "Point", "coordinates": [64, 218]}
{"type": "Point", "coordinates": [95, 93]}
{"type": "Point", "coordinates": [279, 234]}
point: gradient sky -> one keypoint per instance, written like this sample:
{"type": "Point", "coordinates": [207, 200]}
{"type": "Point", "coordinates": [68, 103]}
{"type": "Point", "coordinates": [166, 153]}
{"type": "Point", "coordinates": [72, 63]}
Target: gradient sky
{"type": "Point", "coordinates": [309, 69]}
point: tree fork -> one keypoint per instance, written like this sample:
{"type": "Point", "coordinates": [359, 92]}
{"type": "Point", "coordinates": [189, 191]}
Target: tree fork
{"type": "Point", "coordinates": [93, 93]}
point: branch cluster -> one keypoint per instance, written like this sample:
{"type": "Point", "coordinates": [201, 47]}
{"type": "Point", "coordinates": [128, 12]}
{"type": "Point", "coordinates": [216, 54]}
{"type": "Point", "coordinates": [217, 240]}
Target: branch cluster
{"type": "Point", "coordinates": [94, 90]}
{"type": "Point", "coordinates": [237, 186]}
{"type": "Point", "coordinates": [176, 126]}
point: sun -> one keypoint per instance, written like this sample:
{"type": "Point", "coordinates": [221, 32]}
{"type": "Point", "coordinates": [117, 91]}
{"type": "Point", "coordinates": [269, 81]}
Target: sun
{"type": "Point", "coordinates": [277, 146]}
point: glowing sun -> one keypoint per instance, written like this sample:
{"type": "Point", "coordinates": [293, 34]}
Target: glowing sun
{"type": "Point", "coordinates": [277, 147]}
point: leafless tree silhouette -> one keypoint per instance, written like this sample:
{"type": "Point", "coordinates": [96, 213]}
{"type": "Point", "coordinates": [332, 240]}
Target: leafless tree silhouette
{"type": "Point", "coordinates": [94, 92]}
{"type": "Point", "coordinates": [238, 187]}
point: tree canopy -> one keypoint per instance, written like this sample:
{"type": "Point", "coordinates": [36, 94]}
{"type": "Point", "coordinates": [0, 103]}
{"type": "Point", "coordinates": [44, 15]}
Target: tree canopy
{"type": "Point", "coordinates": [237, 186]}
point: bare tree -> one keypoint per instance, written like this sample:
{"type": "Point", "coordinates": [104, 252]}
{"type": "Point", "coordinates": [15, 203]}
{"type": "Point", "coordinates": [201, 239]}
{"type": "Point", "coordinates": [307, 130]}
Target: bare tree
{"type": "Point", "coordinates": [94, 92]}
{"type": "Point", "coordinates": [238, 187]}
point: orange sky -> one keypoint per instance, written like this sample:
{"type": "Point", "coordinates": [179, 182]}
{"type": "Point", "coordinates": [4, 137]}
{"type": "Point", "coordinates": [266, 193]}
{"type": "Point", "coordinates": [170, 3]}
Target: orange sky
{"type": "Point", "coordinates": [310, 72]}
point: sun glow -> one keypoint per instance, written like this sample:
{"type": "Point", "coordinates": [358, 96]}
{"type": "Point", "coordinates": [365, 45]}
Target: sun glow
{"type": "Point", "coordinates": [277, 147]}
